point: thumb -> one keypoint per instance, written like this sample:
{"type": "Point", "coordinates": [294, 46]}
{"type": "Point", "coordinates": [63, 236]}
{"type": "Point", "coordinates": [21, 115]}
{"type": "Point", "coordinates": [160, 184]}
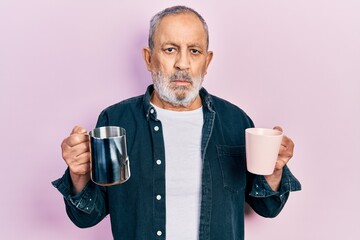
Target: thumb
{"type": "Point", "coordinates": [78, 129]}
{"type": "Point", "coordinates": [278, 128]}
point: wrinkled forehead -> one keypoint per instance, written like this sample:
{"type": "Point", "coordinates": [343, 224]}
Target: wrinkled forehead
{"type": "Point", "coordinates": [182, 27]}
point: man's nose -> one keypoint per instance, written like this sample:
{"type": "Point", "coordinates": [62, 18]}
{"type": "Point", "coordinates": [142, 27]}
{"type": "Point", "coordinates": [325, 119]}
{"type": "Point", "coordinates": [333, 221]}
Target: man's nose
{"type": "Point", "coordinates": [182, 61]}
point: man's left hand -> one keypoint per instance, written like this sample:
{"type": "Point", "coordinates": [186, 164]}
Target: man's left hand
{"type": "Point", "coordinates": [285, 154]}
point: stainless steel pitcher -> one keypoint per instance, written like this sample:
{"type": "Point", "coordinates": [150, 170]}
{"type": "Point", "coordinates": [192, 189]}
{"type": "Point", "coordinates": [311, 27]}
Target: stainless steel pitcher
{"type": "Point", "coordinates": [109, 159]}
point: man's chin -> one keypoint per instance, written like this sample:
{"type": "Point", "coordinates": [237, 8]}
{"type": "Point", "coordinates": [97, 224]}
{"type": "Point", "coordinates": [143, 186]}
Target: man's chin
{"type": "Point", "coordinates": [185, 100]}
{"type": "Point", "coordinates": [180, 88]}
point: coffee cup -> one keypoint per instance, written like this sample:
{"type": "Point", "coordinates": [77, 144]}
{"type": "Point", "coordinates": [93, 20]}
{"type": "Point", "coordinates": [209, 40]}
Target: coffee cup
{"type": "Point", "coordinates": [109, 159]}
{"type": "Point", "coordinates": [262, 149]}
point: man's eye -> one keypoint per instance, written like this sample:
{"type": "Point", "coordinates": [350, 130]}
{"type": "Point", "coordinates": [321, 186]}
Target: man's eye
{"type": "Point", "coordinates": [195, 51]}
{"type": "Point", "coordinates": [170, 50]}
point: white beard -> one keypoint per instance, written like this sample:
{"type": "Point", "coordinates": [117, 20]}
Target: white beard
{"type": "Point", "coordinates": [177, 95]}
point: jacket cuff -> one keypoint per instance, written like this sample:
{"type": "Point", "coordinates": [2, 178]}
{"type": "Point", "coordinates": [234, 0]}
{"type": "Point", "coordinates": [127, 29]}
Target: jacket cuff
{"type": "Point", "coordinates": [288, 183]}
{"type": "Point", "coordinates": [84, 200]}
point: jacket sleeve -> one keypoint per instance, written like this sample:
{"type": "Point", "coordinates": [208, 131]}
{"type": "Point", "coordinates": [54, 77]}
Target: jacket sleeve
{"type": "Point", "coordinates": [263, 199]}
{"type": "Point", "coordinates": [86, 208]}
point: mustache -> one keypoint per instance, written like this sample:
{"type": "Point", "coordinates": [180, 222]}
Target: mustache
{"type": "Point", "coordinates": [180, 75]}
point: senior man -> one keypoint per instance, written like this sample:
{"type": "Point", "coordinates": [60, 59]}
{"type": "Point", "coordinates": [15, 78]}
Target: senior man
{"type": "Point", "coordinates": [186, 147]}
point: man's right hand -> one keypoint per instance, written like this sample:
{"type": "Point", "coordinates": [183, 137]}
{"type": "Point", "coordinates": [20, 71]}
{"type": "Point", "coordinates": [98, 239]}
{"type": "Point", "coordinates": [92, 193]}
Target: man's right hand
{"type": "Point", "coordinates": [76, 153]}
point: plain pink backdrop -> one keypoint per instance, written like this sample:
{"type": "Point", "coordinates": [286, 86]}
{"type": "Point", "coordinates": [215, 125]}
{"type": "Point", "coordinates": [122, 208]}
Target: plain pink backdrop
{"type": "Point", "coordinates": [285, 62]}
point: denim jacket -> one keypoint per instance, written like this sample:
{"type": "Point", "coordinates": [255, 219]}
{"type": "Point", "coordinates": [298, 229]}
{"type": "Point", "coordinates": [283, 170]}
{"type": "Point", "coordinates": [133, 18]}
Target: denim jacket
{"type": "Point", "coordinates": [135, 211]}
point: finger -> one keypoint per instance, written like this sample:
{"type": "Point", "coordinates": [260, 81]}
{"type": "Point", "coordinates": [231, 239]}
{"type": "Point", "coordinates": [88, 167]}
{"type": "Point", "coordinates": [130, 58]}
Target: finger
{"type": "Point", "coordinates": [79, 162]}
{"type": "Point", "coordinates": [75, 139]}
{"type": "Point", "coordinates": [278, 128]}
{"type": "Point", "coordinates": [287, 143]}
{"type": "Point", "coordinates": [280, 163]}
{"type": "Point", "coordinates": [285, 154]}
{"type": "Point", "coordinates": [80, 169]}
{"type": "Point", "coordinates": [282, 149]}
{"type": "Point", "coordinates": [81, 149]}
{"type": "Point", "coordinates": [78, 129]}
{"type": "Point", "coordinates": [75, 151]}
{"type": "Point", "coordinates": [83, 158]}
{"type": "Point", "coordinates": [285, 151]}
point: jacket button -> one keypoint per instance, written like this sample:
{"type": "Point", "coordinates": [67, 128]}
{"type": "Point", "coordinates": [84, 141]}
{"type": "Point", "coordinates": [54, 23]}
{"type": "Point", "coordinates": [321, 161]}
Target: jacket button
{"type": "Point", "coordinates": [156, 128]}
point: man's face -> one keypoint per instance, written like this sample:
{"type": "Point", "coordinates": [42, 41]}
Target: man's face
{"type": "Point", "coordinates": [179, 60]}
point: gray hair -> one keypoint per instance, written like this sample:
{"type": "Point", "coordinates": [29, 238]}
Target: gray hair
{"type": "Point", "coordinates": [154, 22]}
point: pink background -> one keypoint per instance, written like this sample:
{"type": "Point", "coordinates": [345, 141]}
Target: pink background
{"type": "Point", "coordinates": [286, 62]}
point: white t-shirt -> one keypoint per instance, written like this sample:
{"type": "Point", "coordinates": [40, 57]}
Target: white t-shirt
{"type": "Point", "coordinates": [182, 138]}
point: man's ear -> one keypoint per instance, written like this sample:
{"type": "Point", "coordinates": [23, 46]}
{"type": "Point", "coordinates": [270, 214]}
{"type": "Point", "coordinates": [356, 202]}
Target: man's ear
{"type": "Point", "coordinates": [146, 52]}
{"type": "Point", "coordinates": [208, 60]}
{"type": "Point", "coordinates": [209, 57]}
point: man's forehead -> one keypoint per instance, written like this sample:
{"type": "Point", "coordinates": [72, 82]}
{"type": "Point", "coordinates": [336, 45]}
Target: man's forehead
{"type": "Point", "coordinates": [183, 26]}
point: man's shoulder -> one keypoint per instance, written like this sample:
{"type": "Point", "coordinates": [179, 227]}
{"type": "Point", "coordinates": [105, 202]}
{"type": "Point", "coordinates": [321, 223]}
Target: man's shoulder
{"type": "Point", "coordinates": [126, 103]}
{"type": "Point", "coordinates": [221, 104]}
{"type": "Point", "coordinates": [122, 113]}
{"type": "Point", "coordinates": [133, 104]}
{"type": "Point", "coordinates": [228, 112]}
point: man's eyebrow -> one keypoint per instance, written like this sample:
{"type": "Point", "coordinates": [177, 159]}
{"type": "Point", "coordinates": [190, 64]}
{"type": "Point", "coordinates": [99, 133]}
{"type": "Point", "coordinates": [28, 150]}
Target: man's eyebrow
{"type": "Point", "coordinates": [195, 45]}
{"type": "Point", "coordinates": [169, 43]}
{"type": "Point", "coordinates": [176, 45]}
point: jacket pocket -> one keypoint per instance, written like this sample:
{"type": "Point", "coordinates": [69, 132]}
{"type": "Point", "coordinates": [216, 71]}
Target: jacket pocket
{"type": "Point", "coordinates": [233, 167]}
